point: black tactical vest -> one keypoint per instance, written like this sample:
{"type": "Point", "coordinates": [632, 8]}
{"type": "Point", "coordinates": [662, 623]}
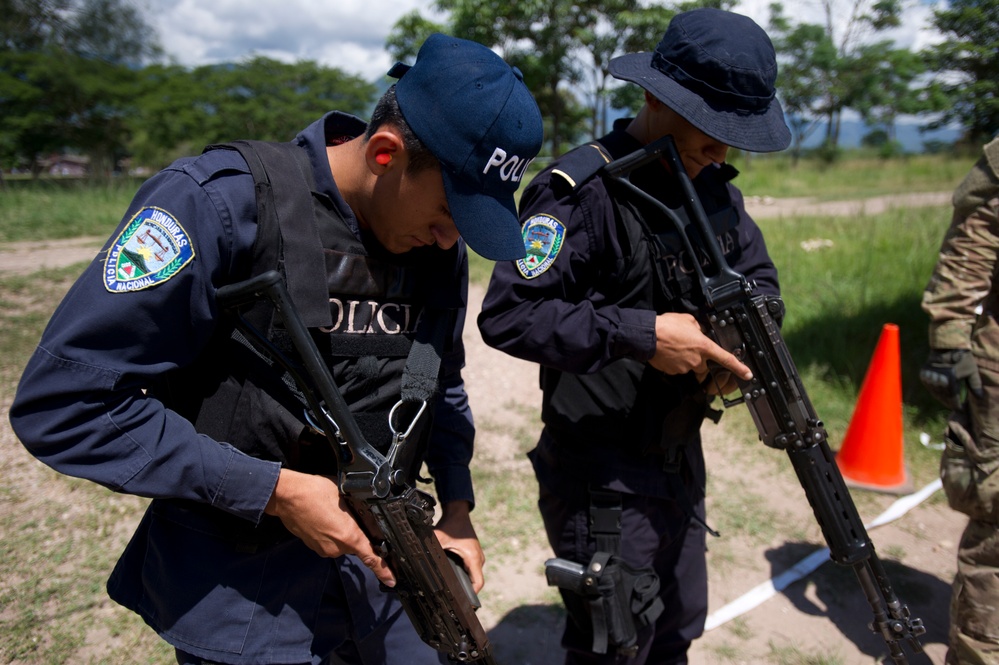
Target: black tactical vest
{"type": "Point", "coordinates": [362, 307]}
{"type": "Point", "coordinates": [628, 403]}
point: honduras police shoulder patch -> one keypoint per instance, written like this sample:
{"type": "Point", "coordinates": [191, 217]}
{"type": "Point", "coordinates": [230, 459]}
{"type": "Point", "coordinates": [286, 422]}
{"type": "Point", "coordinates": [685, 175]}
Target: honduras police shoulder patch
{"type": "Point", "coordinates": [543, 238]}
{"type": "Point", "coordinates": [151, 249]}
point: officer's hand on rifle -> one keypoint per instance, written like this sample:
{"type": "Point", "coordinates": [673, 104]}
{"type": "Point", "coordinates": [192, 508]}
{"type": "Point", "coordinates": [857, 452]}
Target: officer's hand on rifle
{"type": "Point", "coordinates": [945, 374]}
{"type": "Point", "coordinates": [456, 534]}
{"type": "Point", "coordinates": [717, 382]}
{"type": "Point", "coordinates": [312, 508]}
{"type": "Point", "coordinates": [681, 347]}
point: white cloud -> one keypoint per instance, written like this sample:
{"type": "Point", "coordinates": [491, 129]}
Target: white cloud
{"type": "Point", "coordinates": [349, 34]}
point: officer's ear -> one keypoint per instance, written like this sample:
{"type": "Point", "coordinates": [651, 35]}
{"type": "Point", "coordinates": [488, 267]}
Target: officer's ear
{"type": "Point", "coordinates": [652, 101]}
{"type": "Point", "coordinates": [383, 151]}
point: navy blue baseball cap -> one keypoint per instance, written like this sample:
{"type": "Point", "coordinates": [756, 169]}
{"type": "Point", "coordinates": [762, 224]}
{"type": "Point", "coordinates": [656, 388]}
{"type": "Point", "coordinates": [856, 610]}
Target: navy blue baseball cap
{"type": "Point", "coordinates": [718, 70]}
{"type": "Point", "coordinates": [473, 112]}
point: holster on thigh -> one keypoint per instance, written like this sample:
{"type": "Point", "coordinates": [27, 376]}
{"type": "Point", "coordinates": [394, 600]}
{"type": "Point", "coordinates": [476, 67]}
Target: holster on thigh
{"type": "Point", "coordinates": [620, 599]}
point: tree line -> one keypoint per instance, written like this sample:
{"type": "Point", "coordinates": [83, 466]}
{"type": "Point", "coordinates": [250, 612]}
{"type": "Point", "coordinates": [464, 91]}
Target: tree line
{"type": "Point", "coordinates": [88, 76]}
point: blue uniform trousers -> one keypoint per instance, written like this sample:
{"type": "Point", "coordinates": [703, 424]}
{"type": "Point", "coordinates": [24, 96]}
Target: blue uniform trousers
{"type": "Point", "coordinates": [656, 533]}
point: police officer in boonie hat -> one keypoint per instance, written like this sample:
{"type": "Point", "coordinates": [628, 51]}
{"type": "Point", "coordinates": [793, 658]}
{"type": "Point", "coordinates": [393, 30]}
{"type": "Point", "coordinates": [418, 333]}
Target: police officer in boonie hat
{"type": "Point", "coordinates": [718, 71]}
{"type": "Point", "coordinates": [624, 368]}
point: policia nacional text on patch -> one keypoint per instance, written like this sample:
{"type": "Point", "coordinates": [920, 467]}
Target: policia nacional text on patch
{"type": "Point", "coordinates": [151, 249]}
{"type": "Point", "coordinates": [543, 238]}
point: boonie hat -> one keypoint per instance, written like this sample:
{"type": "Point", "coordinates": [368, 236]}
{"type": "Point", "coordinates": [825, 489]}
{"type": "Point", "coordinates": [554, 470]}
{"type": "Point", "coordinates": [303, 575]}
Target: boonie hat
{"type": "Point", "coordinates": [718, 70]}
{"type": "Point", "coordinates": [473, 112]}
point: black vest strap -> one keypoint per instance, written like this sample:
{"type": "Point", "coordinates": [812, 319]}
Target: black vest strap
{"type": "Point", "coordinates": [306, 275]}
{"type": "Point", "coordinates": [419, 388]}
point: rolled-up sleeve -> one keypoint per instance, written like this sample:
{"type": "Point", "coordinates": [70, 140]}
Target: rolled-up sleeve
{"type": "Point", "coordinates": [966, 267]}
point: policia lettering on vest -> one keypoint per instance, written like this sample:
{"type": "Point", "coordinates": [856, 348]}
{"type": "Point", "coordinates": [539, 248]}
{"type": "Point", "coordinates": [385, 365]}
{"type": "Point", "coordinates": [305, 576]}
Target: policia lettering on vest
{"type": "Point", "coordinates": [247, 553]}
{"type": "Point", "coordinates": [602, 303]}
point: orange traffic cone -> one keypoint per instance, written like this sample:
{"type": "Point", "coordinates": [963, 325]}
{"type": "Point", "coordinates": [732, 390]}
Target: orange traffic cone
{"type": "Point", "coordinates": [871, 454]}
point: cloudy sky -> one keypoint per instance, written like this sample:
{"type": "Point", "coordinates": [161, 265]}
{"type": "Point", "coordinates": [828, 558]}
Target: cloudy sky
{"type": "Point", "coordinates": [350, 34]}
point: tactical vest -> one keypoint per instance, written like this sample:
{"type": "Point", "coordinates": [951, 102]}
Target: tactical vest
{"type": "Point", "coordinates": [364, 310]}
{"type": "Point", "coordinates": [628, 402]}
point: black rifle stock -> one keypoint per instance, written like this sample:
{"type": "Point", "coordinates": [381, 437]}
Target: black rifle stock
{"type": "Point", "coordinates": [398, 518]}
{"type": "Point", "coordinates": [743, 322]}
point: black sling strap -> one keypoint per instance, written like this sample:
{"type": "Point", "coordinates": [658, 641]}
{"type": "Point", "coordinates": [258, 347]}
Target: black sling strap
{"type": "Point", "coordinates": [420, 379]}
{"type": "Point", "coordinates": [605, 520]}
{"type": "Point", "coordinates": [419, 388]}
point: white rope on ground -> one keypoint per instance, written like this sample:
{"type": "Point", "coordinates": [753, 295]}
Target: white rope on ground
{"type": "Point", "coordinates": [759, 594]}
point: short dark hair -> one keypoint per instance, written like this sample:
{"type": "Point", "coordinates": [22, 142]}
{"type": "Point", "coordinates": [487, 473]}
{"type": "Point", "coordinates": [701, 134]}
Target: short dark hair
{"type": "Point", "coordinates": [387, 112]}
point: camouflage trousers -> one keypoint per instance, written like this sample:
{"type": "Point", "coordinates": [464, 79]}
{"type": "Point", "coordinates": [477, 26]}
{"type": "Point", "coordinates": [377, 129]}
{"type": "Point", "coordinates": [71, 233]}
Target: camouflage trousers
{"type": "Point", "coordinates": [969, 469]}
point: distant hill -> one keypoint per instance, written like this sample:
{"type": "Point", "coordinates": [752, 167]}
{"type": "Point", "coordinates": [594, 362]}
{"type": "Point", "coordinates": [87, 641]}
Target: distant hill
{"type": "Point", "coordinates": [852, 131]}
{"type": "Point", "coordinates": [907, 133]}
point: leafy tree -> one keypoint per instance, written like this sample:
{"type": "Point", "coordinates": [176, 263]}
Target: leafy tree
{"type": "Point", "coordinates": [29, 87]}
{"type": "Point", "coordinates": [66, 67]}
{"type": "Point", "coordinates": [563, 48]}
{"type": "Point", "coordinates": [541, 37]}
{"type": "Point", "coordinates": [408, 34]}
{"type": "Point", "coordinates": [183, 111]}
{"type": "Point", "coordinates": [805, 56]}
{"type": "Point", "coordinates": [96, 109]}
{"type": "Point", "coordinates": [633, 28]}
{"type": "Point", "coordinates": [642, 29]}
{"type": "Point", "coordinates": [516, 29]}
{"type": "Point", "coordinates": [819, 62]}
{"type": "Point", "coordinates": [883, 83]}
{"type": "Point", "coordinates": [52, 100]}
{"type": "Point", "coordinates": [28, 25]}
{"type": "Point", "coordinates": [966, 86]}
{"type": "Point", "coordinates": [109, 30]}
{"type": "Point", "coordinates": [173, 114]}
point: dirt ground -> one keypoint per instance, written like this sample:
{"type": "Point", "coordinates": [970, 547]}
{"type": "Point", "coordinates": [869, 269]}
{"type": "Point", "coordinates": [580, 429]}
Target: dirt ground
{"type": "Point", "coordinates": [819, 619]}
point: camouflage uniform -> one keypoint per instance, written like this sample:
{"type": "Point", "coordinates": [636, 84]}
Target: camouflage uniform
{"type": "Point", "coordinates": [962, 300]}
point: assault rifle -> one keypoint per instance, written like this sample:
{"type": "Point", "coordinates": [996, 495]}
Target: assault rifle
{"type": "Point", "coordinates": [398, 518]}
{"type": "Point", "coordinates": [742, 322]}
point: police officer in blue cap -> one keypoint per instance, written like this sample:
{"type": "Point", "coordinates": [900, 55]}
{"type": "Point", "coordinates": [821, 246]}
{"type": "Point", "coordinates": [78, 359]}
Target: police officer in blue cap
{"type": "Point", "coordinates": [246, 554]}
{"type": "Point", "coordinates": [623, 360]}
